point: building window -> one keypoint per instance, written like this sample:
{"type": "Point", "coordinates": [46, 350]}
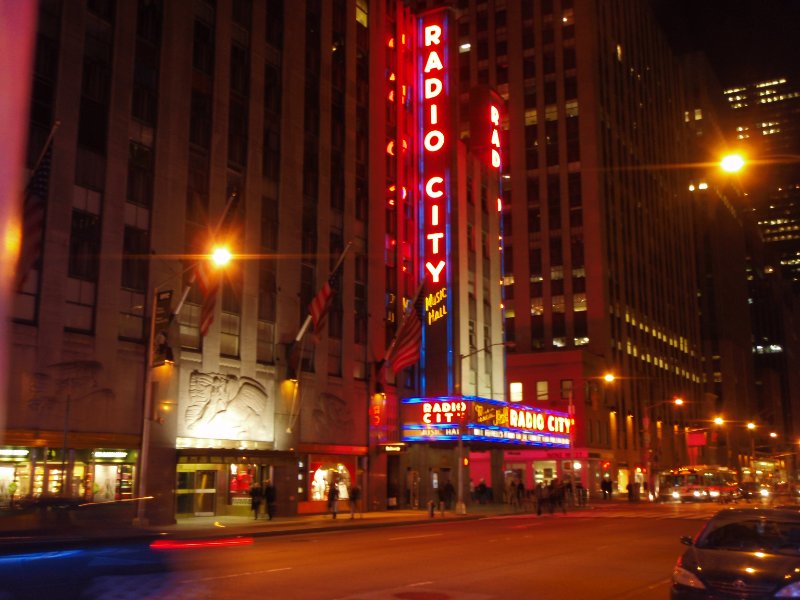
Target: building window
{"type": "Point", "coordinates": [229, 334]}
{"type": "Point", "coordinates": [515, 391]}
{"type": "Point", "coordinates": [203, 50]}
{"type": "Point", "coordinates": [542, 394]}
{"type": "Point", "coordinates": [135, 248]}
{"type": "Point", "coordinates": [566, 389]}
{"type": "Point", "coordinates": [140, 174]}
{"type": "Point", "coordinates": [84, 246]}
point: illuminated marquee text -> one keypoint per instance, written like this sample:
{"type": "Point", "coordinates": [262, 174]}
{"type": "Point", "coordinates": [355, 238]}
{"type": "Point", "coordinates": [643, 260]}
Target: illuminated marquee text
{"type": "Point", "coordinates": [528, 419]}
{"type": "Point", "coordinates": [442, 412]}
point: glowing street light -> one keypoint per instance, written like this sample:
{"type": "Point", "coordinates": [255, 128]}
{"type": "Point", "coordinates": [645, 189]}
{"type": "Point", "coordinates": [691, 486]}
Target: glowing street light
{"type": "Point", "coordinates": [751, 426]}
{"type": "Point", "coordinates": [221, 256]}
{"type": "Point", "coordinates": [609, 377]}
{"type": "Point", "coordinates": [732, 163]}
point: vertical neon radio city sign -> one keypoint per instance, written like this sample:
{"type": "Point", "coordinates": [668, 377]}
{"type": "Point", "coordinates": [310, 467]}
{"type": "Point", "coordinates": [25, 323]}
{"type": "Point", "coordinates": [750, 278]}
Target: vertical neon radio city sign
{"type": "Point", "coordinates": [435, 143]}
{"type": "Point", "coordinates": [437, 158]}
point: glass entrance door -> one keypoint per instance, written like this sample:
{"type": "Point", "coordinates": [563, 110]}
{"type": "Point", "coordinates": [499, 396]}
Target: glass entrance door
{"type": "Point", "coordinates": [205, 493]}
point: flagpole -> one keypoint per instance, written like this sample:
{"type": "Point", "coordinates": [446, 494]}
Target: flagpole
{"type": "Point", "coordinates": [189, 285]}
{"type": "Point", "coordinates": [47, 143]}
{"type": "Point", "coordinates": [406, 314]}
{"type": "Point", "coordinates": [307, 322]}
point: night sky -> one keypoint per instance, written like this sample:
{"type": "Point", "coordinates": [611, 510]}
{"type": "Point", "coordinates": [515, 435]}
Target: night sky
{"type": "Point", "coordinates": [745, 40]}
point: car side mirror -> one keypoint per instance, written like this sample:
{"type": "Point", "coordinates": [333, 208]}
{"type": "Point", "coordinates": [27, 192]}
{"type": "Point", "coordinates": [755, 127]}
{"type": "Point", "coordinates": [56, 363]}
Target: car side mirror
{"type": "Point", "coordinates": [687, 540]}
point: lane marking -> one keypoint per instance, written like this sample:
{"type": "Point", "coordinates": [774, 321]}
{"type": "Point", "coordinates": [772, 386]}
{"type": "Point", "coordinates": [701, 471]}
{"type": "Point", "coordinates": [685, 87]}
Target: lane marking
{"type": "Point", "coordinates": [236, 575]}
{"type": "Point", "coordinates": [420, 583]}
{"type": "Point", "coordinates": [415, 537]}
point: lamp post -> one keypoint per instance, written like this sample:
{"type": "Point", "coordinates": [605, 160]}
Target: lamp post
{"type": "Point", "coordinates": [677, 401]}
{"type": "Point", "coordinates": [751, 427]}
{"type": "Point", "coordinates": [220, 257]}
{"type": "Point", "coordinates": [607, 378]}
{"type": "Point", "coordinates": [461, 507]}
{"type": "Point", "coordinates": [719, 421]}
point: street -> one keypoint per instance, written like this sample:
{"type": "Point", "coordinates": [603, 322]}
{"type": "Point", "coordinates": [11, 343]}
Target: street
{"type": "Point", "coordinates": [613, 552]}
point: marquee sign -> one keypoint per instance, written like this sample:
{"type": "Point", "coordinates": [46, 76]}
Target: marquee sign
{"type": "Point", "coordinates": [442, 418]}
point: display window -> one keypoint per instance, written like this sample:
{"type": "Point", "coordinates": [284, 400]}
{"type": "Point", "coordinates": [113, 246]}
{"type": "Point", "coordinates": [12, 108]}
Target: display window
{"type": "Point", "coordinates": [104, 484]}
{"type": "Point", "coordinates": [324, 475]}
{"type": "Point", "coordinates": [241, 478]}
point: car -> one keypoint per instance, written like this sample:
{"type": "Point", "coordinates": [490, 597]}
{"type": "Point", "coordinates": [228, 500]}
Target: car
{"type": "Point", "coordinates": [753, 490]}
{"type": "Point", "coordinates": [53, 547]}
{"type": "Point", "coordinates": [741, 553]}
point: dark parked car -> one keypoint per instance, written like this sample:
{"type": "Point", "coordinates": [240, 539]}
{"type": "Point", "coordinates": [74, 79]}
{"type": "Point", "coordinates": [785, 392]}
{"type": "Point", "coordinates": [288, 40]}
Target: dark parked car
{"type": "Point", "coordinates": [741, 553]}
{"type": "Point", "coordinates": [753, 490]}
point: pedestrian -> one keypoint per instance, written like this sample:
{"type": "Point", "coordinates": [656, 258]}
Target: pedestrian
{"type": "Point", "coordinates": [561, 496]}
{"type": "Point", "coordinates": [539, 494]}
{"type": "Point", "coordinates": [449, 495]}
{"type": "Point", "coordinates": [511, 494]}
{"type": "Point", "coordinates": [521, 495]}
{"type": "Point", "coordinates": [482, 491]}
{"type": "Point", "coordinates": [255, 499]}
{"type": "Point", "coordinates": [552, 495]}
{"type": "Point", "coordinates": [355, 497]}
{"type": "Point", "coordinates": [269, 498]}
{"type": "Point", "coordinates": [333, 499]}
{"type": "Point", "coordinates": [629, 489]}
{"type": "Point", "coordinates": [581, 491]}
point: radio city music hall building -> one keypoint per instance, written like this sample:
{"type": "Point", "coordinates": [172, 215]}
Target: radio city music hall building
{"type": "Point", "coordinates": [333, 125]}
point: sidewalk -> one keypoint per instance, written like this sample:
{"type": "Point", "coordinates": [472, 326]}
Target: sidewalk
{"type": "Point", "coordinates": [223, 526]}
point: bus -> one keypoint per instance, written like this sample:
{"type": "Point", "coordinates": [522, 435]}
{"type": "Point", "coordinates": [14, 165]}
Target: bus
{"type": "Point", "coordinates": [697, 483]}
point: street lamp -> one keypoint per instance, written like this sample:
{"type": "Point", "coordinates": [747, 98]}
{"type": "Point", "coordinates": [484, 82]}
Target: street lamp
{"type": "Point", "coordinates": [676, 401]}
{"type": "Point", "coordinates": [461, 507]}
{"type": "Point", "coordinates": [735, 162]}
{"type": "Point", "coordinates": [607, 379]}
{"type": "Point", "coordinates": [220, 256]}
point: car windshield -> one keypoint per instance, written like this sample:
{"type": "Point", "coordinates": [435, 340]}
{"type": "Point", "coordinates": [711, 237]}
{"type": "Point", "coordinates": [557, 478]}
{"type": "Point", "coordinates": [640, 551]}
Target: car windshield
{"type": "Point", "coordinates": [780, 537]}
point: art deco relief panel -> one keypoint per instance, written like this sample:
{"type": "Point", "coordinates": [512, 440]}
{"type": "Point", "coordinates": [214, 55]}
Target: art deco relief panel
{"type": "Point", "coordinates": [224, 406]}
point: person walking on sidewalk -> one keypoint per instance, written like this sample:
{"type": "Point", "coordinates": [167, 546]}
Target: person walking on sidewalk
{"type": "Point", "coordinates": [255, 499]}
{"type": "Point", "coordinates": [269, 498]}
{"type": "Point", "coordinates": [333, 499]}
{"type": "Point", "coordinates": [355, 497]}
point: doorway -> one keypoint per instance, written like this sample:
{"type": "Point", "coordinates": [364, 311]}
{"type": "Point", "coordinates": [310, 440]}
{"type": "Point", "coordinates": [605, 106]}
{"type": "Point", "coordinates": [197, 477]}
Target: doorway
{"type": "Point", "coordinates": [205, 493]}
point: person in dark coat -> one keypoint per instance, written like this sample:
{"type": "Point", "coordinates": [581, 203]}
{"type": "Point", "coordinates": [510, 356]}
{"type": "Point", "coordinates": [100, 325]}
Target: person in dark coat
{"type": "Point", "coordinates": [255, 499]}
{"type": "Point", "coordinates": [333, 499]}
{"type": "Point", "coordinates": [355, 497]}
{"type": "Point", "coordinates": [269, 498]}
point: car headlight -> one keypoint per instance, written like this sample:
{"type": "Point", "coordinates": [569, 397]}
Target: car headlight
{"type": "Point", "coordinates": [790, 591]}
{"type": "Point", "coordinates": [696, 493]}
{"type": "Point", "coordinates": [681, 576]}
{"type": "Point", "coordinates": [676, 495]}
{"type": "Point", "coordinates": [713, 493]}
{"type": "Point", "coordinates": [764, 492]}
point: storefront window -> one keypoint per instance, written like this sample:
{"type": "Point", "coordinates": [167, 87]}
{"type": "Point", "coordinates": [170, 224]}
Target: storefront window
{"type": "Point", "coordinates": [241, 478]}
{"type": "Point", "coordinates": [325, 475]}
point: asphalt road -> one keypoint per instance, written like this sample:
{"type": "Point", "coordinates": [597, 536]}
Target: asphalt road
{"type": "Point", "coordinates": [620, 553]}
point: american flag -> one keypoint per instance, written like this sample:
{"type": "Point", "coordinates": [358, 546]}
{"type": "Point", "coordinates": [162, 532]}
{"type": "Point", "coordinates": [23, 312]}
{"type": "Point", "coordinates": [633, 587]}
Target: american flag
{"type": "Point", "coordinates": [208, 282]}
{"type": "Point", "coordinates": [318, 309]}
{"type": "Point", "coordinates": [33, 212]}
{"type": "Point", "coordinates": [408, 341]}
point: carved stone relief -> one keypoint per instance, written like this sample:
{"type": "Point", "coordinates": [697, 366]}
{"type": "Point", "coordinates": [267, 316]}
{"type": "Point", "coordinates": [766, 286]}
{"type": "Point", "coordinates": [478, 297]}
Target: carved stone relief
{"type": "Point", "coordinates": [226, 407]}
